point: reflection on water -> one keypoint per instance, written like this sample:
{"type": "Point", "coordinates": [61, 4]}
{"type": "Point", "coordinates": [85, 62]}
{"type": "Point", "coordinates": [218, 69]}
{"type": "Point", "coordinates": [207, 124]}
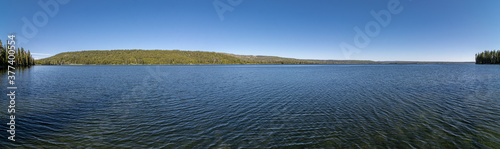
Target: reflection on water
{"type": "Point", "coordinates": [344, 106]}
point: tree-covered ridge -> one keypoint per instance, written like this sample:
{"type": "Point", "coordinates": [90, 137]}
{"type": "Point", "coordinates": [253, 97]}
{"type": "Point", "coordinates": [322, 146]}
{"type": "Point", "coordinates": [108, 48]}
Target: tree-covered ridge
{"type": "Point", "coordinates": [138, 57]}
{"type": "Point", "coordinates": [488, 57]}
{"type": "Point", "coordinates": [170, 57]}
{"type": "Point", "coordinates": [22, 57]}
{"type": "Point", "coordinates": [280, 60]}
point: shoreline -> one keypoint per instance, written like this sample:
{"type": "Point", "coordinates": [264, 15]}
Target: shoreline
{"type": "Point", "coordinates": [374, 63]}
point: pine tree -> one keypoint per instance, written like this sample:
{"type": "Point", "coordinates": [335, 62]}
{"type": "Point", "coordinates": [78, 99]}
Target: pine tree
{"type": "Point", "coordinates": [2, 54]}
{"type": "Point", "coordinates": [28, 58]}
{"type": "Point", "coordinates": [21, 57]}
{"type": "Point", "coordinates": [17, 56]}
{"type": "Point", "coordinates": [488, 57]}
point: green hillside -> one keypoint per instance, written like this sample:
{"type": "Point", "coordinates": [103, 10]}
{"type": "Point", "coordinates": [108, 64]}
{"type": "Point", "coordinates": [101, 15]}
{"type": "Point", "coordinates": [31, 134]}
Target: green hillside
{"type": "Point", "coordinates": [171, 57]}
{"type": "Point", "coordinates": [138, 57]}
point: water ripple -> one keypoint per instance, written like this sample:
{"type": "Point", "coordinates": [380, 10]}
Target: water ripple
{"type": "Point", "coordinates": [264, 106]}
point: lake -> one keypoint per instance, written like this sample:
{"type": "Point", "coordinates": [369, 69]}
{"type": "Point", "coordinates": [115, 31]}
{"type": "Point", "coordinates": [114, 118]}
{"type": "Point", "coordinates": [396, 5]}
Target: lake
{"type": "Point", "coordinates": [256, 106]}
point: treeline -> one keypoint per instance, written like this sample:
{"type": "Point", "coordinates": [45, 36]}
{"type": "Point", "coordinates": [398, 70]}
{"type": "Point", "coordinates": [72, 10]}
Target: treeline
{"type": "Point", "coordinates": [22, 57]}
{"type": "Point", "coordinates": [139, 57]}
{"type": "Point", "coordinates": [488, 57]}
{"type": "Point", "coordinates": [280, 60]}
{"type": "Point", "coordinates": [171, 57]}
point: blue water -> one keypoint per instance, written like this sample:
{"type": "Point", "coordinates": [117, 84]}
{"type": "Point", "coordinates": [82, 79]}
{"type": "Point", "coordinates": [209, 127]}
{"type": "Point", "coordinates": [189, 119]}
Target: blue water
{"type": "Point", "coordinates": [256, 106]}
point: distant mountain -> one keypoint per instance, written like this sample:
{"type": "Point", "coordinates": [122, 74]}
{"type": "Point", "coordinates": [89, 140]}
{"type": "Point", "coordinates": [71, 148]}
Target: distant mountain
{"type": "Point", "coordinates": [173, 57]}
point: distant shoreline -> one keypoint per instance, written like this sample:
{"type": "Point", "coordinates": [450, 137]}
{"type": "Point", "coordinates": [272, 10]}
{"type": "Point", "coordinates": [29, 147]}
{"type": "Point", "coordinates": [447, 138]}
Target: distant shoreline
{"type": "Point", "coordinates": [375, 63]}
{"type": "Point", "coordinates": [177, 57]}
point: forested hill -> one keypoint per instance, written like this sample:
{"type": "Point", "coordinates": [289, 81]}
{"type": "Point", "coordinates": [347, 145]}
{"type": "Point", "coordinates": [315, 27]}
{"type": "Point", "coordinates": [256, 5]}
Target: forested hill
{"type": "Point", "coordinates": [172, 57]}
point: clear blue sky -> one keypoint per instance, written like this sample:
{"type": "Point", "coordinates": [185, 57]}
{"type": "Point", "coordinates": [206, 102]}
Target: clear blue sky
{"type": "Point", "coordinates": [424, 30]}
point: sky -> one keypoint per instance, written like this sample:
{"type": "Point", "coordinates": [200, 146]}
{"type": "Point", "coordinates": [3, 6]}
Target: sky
{"type": "Point", "coordinates": [380, 30]}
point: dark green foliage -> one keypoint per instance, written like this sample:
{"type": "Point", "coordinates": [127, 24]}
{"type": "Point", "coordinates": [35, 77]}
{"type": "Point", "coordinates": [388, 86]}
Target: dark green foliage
{"type": "Point", "coordinates": [3, 55]}
{"type": "Point", "coordinates": [488, 57]}
{"type": "Point", "coordinates": [138, 57]}
{"type": "Point", "coordinates": [23, 58]}
{"type": "Point", "coordinates": [169, 57]}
